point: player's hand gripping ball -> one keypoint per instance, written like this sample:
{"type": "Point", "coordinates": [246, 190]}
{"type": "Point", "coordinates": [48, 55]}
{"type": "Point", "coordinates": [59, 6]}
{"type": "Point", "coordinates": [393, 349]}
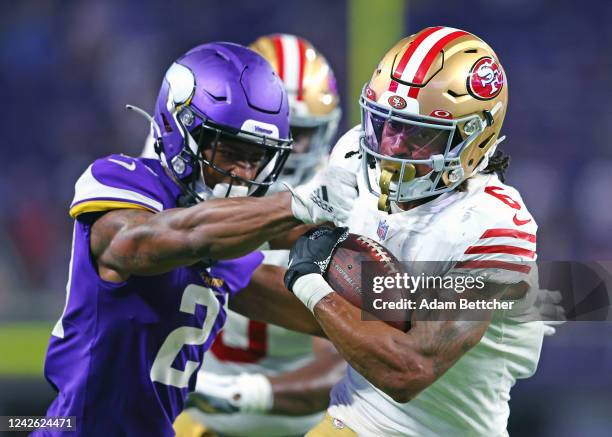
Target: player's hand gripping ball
{"type": "Point", "coordinates": [339, 257]}
{"type": "Point", "coordinates": [312, 252]}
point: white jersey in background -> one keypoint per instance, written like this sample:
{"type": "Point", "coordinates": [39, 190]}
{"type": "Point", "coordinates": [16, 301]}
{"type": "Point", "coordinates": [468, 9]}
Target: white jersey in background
{"type": "Point", "coordinates": [487, 229]}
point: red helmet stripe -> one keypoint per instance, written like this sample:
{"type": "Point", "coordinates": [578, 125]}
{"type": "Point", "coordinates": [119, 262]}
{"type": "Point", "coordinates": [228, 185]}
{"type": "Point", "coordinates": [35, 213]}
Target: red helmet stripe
{"type": "Point", "coordinates": [399, 69]}
{"type": "Point", "coordinates": [411, 49]}
{"type": "Point", "coordinates": [429, 58]}
{"type": "Point", "coordinates": [280, 59]}
{"type": "Point", "coordinates": [302, 61]}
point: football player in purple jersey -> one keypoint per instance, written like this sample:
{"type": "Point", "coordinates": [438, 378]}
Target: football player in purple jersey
{"type": "Point", "coordinates": [159, 245]}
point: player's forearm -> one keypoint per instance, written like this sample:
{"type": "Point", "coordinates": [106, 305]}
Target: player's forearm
{"type": "Point", "coordinates": [288, 239]}
{"type": "Point", "coordinates": [400, 364]}
{"type": "Point", "coordinates": [229, 228]}
{"type": "Point", "coordinates": [138, 242]}
{"type": "Point", "coordinates": [306, 390]}
{"type": "Point", "coordinates": [385, 356]}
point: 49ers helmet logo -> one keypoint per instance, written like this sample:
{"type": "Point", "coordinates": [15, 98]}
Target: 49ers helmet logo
{"type": "Point", "coordinates": [370, 94]}
{"type": "Point", "coordinates": [397, 102]}
{"type": "Point", "coordinates": [486, 79]}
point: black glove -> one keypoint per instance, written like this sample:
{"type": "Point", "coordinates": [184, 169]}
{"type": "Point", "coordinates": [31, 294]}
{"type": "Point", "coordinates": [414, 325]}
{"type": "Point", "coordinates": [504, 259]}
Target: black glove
{"type": "Point", "coordinates": [312, 252]}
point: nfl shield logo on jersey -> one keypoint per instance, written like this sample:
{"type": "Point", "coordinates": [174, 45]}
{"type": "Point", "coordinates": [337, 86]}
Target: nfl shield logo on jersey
{"type": "Point", "coordinates": [383, 227]}
{"type": "Point", "coordinates": [338, 424]}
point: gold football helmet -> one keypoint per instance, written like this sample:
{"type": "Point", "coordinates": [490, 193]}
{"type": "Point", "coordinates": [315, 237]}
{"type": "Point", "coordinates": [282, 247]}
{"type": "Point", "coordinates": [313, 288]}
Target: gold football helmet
{"type": "Point", "coordinates": [431, 114]}
{"type": "Point", "coordinates": [313, 101]}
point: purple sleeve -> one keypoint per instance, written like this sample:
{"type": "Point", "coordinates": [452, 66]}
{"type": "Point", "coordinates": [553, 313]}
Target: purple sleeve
{"type": "Point", "coordinates": [120, 181]}
{"type": "Point", "coordinates": [237, 272]}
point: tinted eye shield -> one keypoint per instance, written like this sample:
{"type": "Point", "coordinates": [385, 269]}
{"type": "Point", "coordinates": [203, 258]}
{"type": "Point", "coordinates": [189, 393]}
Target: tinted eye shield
{"type": "Point", "coordinates": [407, 155]}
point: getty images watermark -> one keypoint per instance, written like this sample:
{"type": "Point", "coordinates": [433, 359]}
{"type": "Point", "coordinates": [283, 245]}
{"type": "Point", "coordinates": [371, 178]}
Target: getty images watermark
{"type": "Point", "coordinates": [455, 290]}
{"type": "Point", "coordinates": [411, 284]}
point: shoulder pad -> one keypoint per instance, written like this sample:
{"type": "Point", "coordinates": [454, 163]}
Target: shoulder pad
{"type": "Point", "coordinates": [501, 238]}
{"type": "Point", "coordinates": [119, 182]}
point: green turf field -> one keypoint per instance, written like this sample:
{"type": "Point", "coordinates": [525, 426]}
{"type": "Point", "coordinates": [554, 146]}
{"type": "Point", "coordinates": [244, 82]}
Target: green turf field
{"type": "Point", "coordinates": [23, 347]}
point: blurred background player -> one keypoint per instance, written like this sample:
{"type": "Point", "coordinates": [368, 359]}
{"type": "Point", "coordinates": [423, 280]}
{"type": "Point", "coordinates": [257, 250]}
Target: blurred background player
{"type": "Point", "coordinates": [262, 379]}
{"type": "Point", "coordinates": [431, 188]}
{"type": "Point", "coordinates": [314, 102]}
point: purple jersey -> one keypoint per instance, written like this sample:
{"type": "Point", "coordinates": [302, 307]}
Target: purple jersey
{"type": "Point", "coordinates": [123, 356]}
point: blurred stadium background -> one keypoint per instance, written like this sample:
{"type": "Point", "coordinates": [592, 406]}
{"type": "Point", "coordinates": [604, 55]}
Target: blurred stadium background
{"type": "Point", "coordinates": [67, 68]}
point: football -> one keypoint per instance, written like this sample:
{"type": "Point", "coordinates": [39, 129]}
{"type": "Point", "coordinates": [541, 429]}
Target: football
{"type": "Point", "coordinates": [359, 257]}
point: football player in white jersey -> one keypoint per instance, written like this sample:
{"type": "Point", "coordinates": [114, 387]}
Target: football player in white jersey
{"type": "Point", "coordinates": [281, 377]}
{"type": "Point", "coordinates": [431, 188]}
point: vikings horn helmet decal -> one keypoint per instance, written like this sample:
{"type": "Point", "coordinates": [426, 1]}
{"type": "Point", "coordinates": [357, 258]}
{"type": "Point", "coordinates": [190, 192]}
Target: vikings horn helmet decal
{"type": "Point", "coordinates": [216, 91]}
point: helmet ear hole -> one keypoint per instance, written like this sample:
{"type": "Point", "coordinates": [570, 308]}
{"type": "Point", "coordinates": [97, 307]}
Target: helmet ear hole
{"type": "Point", "coordinates": [484, 142]}
{"type": "Point", "coordinates": [167, 126]}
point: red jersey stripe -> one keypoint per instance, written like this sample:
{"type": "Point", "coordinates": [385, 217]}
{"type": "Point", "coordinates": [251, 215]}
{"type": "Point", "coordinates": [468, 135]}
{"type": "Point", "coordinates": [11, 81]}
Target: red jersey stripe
{"type": "Point", "coordinates": [512, 250]}
{"type": "Point", "coordinates": [256, 350]}
{"type": "Point", "coordinates": [489, 264]}
{"type": "Point", "coordinates": [512, 233]}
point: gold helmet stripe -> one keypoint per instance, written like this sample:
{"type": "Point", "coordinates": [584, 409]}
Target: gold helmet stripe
{"type": "Point", "coordinates": [419, 62]}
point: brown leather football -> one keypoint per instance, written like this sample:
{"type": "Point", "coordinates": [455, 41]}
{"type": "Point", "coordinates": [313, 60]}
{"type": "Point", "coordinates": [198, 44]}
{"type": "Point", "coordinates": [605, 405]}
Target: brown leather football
{"type": "Point", "coordinates": [357, 256]}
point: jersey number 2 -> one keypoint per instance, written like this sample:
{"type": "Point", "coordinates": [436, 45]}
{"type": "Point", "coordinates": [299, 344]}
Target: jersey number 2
{"type": "Point", "coordinates": [162, 370]}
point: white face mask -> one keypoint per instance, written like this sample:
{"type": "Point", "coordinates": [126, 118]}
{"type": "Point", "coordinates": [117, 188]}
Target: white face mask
{"type": "Point", "coordinates": [221, 190]}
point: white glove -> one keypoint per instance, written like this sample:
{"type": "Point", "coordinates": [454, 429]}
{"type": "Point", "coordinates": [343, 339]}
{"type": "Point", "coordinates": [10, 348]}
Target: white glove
{"type": "Point", "coordinates": [329, 197]}
{"type": "Point", "coordinates": [546, 308]}
{"type": "Point", "coordinates": [314, 205]}
{"type": "Point", "coordinates": [226, 394]}
{"type": "Point", "coordinates": [553, 314]}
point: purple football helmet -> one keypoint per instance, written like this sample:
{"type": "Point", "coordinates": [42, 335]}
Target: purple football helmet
{"type": "Point", "coordinates": [221, 90]}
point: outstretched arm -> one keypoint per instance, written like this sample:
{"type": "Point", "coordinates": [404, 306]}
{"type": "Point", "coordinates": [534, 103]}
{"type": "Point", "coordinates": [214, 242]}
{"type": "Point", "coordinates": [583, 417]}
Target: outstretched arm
{"type": "Point", "coordinates": [128, 241]}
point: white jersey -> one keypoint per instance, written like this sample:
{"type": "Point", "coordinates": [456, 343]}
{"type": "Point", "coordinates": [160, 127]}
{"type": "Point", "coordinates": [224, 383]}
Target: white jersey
{"type": "Point", "coordinates": [247, 346]}
{"type": "Point", "coordinates": [488, 229]}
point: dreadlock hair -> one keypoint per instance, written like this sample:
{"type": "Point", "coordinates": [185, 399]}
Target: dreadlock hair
{"type": "Point", "coordinates": [498, 163]}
